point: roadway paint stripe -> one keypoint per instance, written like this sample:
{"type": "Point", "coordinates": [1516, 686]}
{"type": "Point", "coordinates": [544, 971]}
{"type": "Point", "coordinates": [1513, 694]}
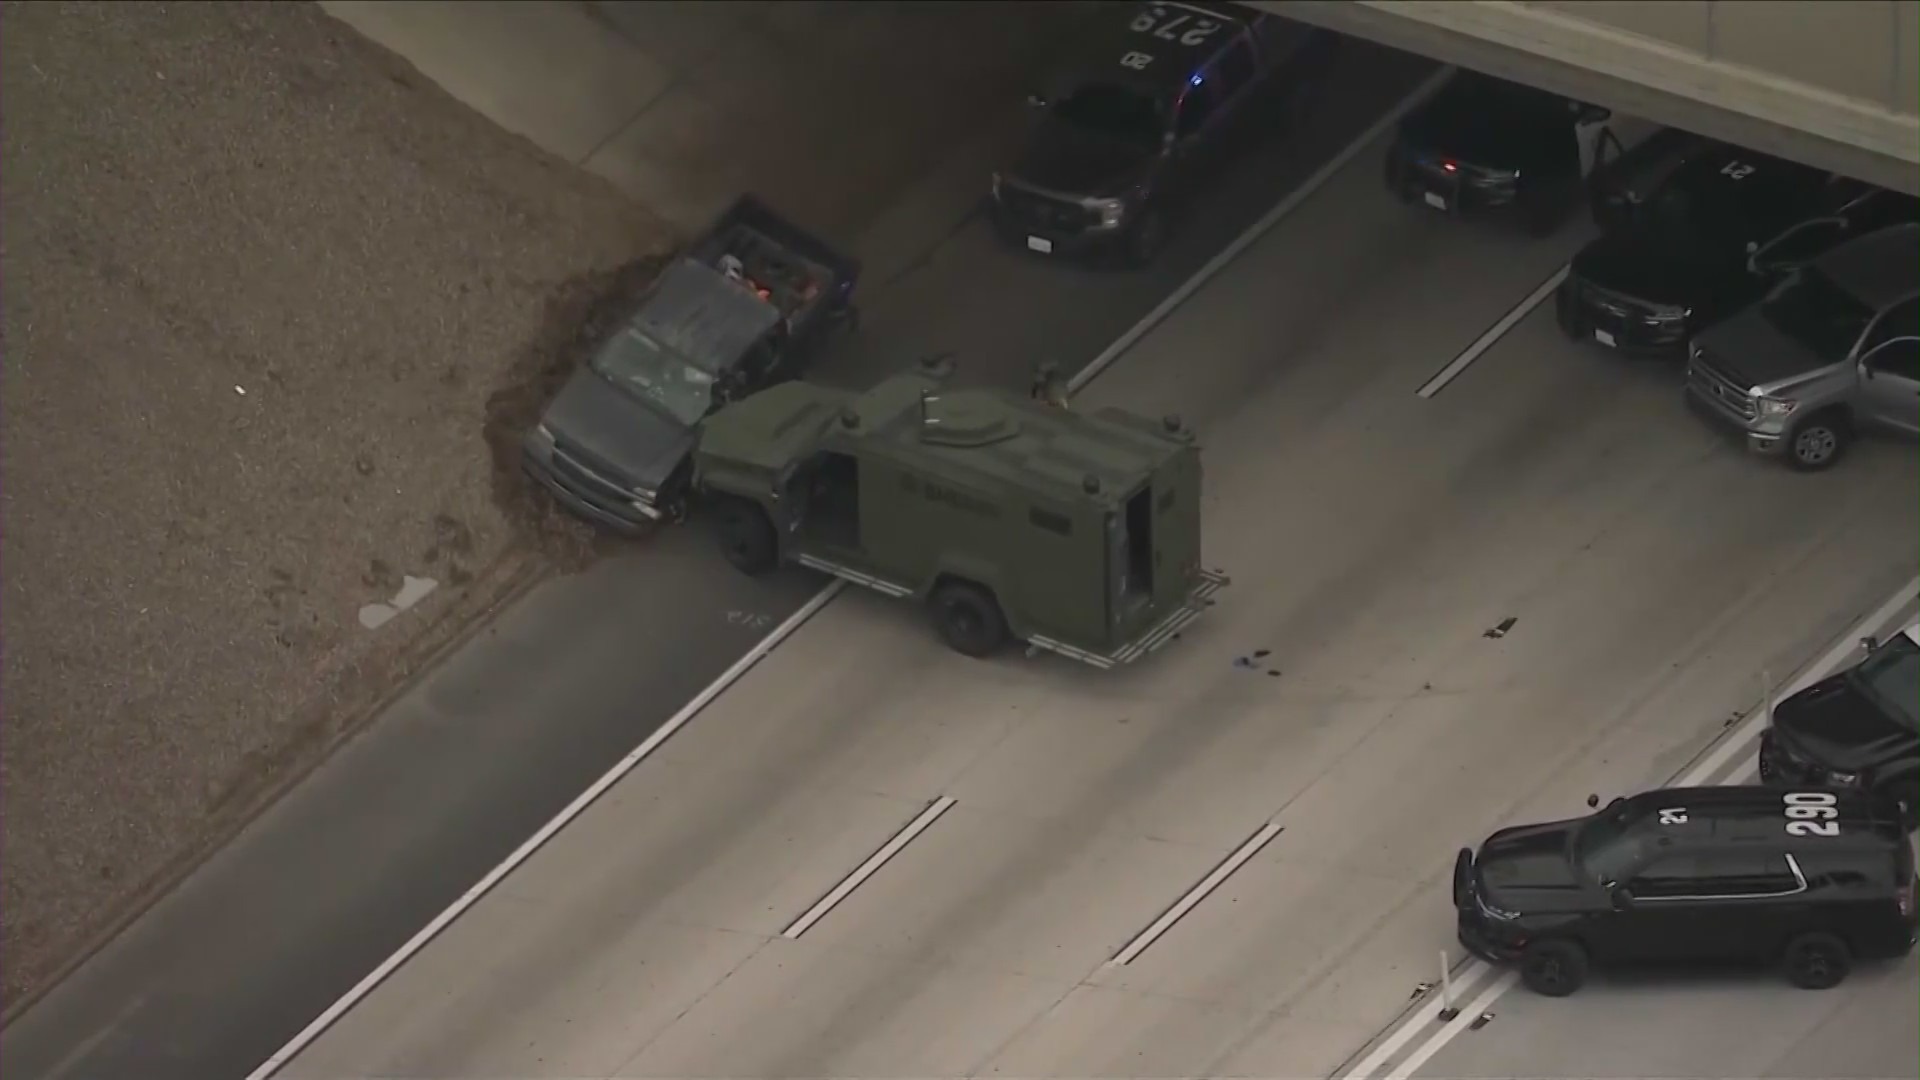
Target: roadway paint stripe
{"type": "Point", "coordinates": [1494, 333]}
{"type": "Point", "coordinates": [1258, 229]}
{"type": "Point", "coordinates": [866, 869]}
{"type": "Point", "coordinates": [1725, 752]}
{"type": "Point", "coordinates": [1194, 895]}
{"type": "Point", "coordinates": [1468, 976]}
{"type": "Point", "coordinates": [1079, 381]}
{"type": "Point", "coordinates": [539, 839]}
{"type": "Point", "coordinates": [1820, 669]}
{"type": "Point", "coordinates": [1458, 1024]}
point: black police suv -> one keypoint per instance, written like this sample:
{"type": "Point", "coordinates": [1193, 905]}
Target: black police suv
{"type": "Point", "coordinates": [1144, 117]}
{"type": "Point", "coordinates": [1483, 145]}
{"type": "Point", "coordinates": [1625, 178]}
{"type": "Point", "coordinates": [1807, 878]}
{"type": "Point", "coordinates": [1720, 230]}
{"type": "Point", "coordinates": [1859, 728]}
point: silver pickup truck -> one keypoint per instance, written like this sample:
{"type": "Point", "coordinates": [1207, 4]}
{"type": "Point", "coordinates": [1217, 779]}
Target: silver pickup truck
{"type": "Point", "coordinates": [1831, 350]}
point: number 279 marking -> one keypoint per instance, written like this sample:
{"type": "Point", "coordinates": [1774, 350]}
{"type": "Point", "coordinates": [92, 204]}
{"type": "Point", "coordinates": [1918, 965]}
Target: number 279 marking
{"type": "Point", "coordinates": [1160, 23]}
{"type": "Point", "coordinates": [1812, 813]}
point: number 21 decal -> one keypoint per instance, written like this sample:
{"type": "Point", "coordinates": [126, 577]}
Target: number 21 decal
{"type": "Point", "coordinates": [1811, 813]}
{"type": "Point", "coordinates": [1164, 25]}
{"type": "Point", "coordinates": [1673, 815]}
{"type": "Point", "coordinates": [1737, 170]}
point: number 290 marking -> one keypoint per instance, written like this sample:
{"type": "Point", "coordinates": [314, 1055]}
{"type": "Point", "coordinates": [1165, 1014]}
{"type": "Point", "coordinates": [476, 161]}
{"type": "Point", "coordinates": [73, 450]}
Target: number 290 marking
{"type": "Point", "coordinates": [1811, 813]}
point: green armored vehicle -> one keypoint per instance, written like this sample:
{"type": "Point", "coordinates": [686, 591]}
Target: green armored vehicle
{"type": "Point", "coordinates": [1010, 519]}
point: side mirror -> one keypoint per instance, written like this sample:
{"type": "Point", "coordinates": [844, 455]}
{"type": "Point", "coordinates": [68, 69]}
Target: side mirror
{"type": "Point", "coordinates": [1869, 643]}
{"type": "Point", "coordinates": [1621, 897]}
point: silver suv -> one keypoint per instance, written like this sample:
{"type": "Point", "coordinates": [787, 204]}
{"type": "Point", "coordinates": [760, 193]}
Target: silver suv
{"type": "Point", "coordinates": [1833, 348]}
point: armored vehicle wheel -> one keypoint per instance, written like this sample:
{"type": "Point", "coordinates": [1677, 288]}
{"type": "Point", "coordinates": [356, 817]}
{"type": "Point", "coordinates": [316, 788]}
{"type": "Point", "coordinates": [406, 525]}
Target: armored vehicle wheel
{"type": "Point", "coordinates": [1554, 967]}
{"type": "Point", "coordinates": [746, 536]}
{"type": "Point", "coordinates": [968, 619]}
{"type": "Point", "coordinates": [1816, 961]}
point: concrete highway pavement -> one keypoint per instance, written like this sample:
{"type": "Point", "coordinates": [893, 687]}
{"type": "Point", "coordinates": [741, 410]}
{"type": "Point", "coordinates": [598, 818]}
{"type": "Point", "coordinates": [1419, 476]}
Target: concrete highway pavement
{"type": "Point", "coordinates": [470, 762]}
{"type": "Point", "coordinates": [1639, 1024]}
{"type": "Point", "coordinates": [1652, 571]}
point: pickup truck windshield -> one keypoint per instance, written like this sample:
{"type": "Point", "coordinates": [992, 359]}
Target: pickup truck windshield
{"type": "Point", "coordinates": [1114, 111]}
{"type": "Point", "coordinates": [1809, 308]}
{"type": "Point", "coordinates": [1891, 676]}
{"type": "Point", "coordinates": [656, 375]}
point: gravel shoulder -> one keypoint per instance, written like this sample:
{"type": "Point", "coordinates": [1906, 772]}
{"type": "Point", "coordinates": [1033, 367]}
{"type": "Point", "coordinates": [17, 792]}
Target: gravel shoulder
{"type": "Point", "coordinates": [265, 290]}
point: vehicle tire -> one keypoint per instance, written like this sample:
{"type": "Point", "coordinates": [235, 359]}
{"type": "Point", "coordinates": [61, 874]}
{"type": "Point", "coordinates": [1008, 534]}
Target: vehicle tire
{"type": "Point", "coordinates": [1146, 239]}
{"type": "Point", "coordinates": [1819, 441]}
{"type": "Point", "coordinates": [1554, 967]}
{"type": "Point", "coordinates": [746, 536]}
{"type": "Point", "coordinates": [1816, 961]}
{"type": "Point", "coordinates": [675, 498]}
{"type": "Point", "coordinates": [968, 619]}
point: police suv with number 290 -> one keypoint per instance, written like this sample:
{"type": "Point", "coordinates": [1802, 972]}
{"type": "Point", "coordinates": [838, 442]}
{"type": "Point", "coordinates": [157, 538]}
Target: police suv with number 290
{"type": "Point", "coordinates": [1806, 879]}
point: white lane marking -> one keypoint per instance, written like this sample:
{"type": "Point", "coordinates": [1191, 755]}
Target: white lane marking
{"type": "Point", "coordinates": [1258, 229]}
{"type": "Point", "coordinates": [1729, 744]}
{"type": "Point", "coordinates": [1086, 375]}
{"type": "Point", "coordinates": [533, 843]}
{"type": "Point", "coordinates": [866, 869]}
{"type": "Point", "coordinates": [1459, 1023]}
{"type": "Point", "coordinates": [1470, 976]}
{"type": "Point", "coordinates": [1194, 895]}
{"type": "Point", "coordinates": [1494, 333]}
{"type": "Point", "coordinates": [1820, 669]}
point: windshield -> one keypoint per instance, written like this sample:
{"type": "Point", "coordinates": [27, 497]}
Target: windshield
{"type": "Point", "coordinates": [1117, 112]}
{"type": "Point", "coordinates": [1678, 216]}
{"type": "Point", "coordinates": [1891, 675]}
{"type": "Point", "coordinates": [643, 367]}
{"type": "Point", "coordinates": [1604, 849]}
{"type": "Point", "coordinates": [1809, 308]}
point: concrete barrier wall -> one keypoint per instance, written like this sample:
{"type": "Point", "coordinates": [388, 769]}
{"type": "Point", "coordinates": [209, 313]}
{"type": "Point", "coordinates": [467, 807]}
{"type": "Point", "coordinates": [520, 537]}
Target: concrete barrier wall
{"type": "Point", "coordinates": [1831, 82]}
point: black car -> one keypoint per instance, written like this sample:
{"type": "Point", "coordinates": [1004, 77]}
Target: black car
{"type": "Point", "coordinates": [1859, 728]}
{"type": "Point", "coordinates": [1717, 233]}
{"type": "Point", "coordinates": [1144, 117]}
{"type": "Point", "coordinates": [1624, 179]}
{"type": "Point", "coordinates": [1806, 878]}
{"type": "Point", "coordinates": [1483, 145]}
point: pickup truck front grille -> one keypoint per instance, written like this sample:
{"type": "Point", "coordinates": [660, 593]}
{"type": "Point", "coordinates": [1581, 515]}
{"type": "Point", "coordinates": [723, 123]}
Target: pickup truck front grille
{"type": "Point", "coordinates": [1719, 389]}
{"type": "Point", "coordinates": [583, 479]}
{"type": "Point", "coordinates": [1044, 213]}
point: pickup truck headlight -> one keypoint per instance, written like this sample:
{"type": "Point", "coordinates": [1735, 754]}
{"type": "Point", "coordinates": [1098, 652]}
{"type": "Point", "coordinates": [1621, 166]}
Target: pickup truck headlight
{"type": "Point", "coordinates": [1842, 779]}
{"type": "Point", "coordinates": [1775, 408]}
{"type": "Point", "coordinates": [1671, 315]}
{"type": "Point", "coordinates": [1111, 211]}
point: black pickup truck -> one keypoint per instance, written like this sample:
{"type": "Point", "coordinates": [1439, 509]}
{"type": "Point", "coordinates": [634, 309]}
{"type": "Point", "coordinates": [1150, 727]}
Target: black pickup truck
{"type": "Point", "coordinates": [1150, 109]}
{"type": "Point", "coordinates": [744, 307]}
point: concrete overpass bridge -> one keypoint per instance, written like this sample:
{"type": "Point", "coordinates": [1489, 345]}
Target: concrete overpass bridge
{"type": "Point", "coordinates": [1829, 82]}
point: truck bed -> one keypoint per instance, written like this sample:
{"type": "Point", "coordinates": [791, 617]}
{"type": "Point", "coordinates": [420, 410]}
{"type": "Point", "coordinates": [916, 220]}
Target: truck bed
{"type": "Point", "coordinates": [795, 271]}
